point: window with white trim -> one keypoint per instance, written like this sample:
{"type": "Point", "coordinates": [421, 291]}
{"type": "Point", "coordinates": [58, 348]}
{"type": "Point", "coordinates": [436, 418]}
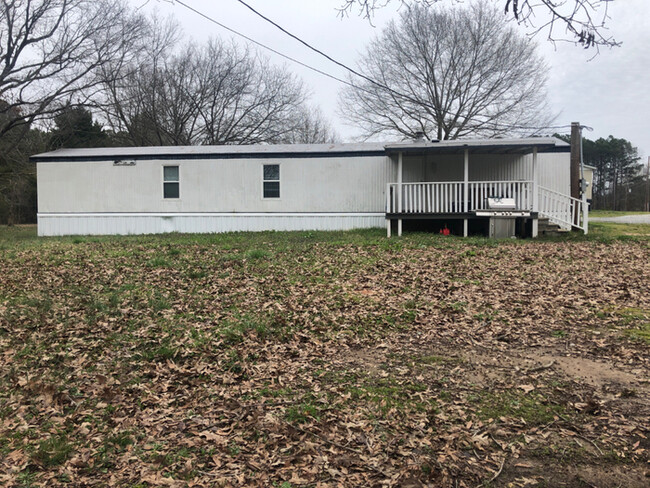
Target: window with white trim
{"type": "Point", "coordinates": [271, 181]}
{"type": "Point", "coordinates": [171, 182]}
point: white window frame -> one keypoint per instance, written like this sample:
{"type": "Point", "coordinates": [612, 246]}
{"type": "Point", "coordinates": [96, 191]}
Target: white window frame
{"type": "Point", "coordinates": [270, 181]}
{"type": "Point", "coordinates": [178, 182]}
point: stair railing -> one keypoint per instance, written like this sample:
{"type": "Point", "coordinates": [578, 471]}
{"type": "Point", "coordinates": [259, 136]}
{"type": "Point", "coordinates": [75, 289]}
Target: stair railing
{"type": "Point", "coordinates": [563, 210]}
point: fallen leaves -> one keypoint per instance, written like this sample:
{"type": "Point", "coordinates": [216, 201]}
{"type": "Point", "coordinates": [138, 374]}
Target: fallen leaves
{"type": "Point", "coordinates": [379, 363]}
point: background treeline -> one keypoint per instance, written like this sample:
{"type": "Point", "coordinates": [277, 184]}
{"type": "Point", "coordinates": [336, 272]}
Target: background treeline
{"type": "Point", "coordinates": [620, 178]}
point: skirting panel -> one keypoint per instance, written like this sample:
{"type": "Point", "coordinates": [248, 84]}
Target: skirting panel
{"type": "Point", "coordinates": [200, 223]}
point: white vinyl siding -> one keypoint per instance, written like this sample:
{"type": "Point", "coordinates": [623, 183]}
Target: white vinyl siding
{"type": "Point", "coordinates": [328, 184]}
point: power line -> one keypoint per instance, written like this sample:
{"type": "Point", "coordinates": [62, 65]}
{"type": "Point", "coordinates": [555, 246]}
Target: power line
{"type": "Point", "coordinates": [351, 70]}
{"type": "Point", "coordinates": [210, 19]}
{"type": "Point", "coordinates": [316, 50]}
{"type": "Point", "coordinates": [361, 75]}
{"type": "Point", "coordinates": [374, 82]}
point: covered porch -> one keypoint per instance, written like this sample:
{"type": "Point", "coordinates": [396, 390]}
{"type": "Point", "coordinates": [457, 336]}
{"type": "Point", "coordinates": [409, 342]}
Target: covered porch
{"type": "Point", "coordinates": [454, 180]}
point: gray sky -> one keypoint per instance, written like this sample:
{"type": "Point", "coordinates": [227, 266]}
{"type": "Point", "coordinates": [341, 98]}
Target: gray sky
{"type": "Point", "coordinates": [608, 93]}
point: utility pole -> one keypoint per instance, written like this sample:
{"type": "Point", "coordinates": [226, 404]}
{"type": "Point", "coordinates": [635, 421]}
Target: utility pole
{"type": "Point", "coordinates": [576, 155]}
{"type": "Point", "coordinates": [575, 159]}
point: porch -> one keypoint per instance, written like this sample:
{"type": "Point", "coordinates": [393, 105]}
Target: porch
{"type": "Point", "coordinates": [452, 197]}
{"type": "Point", "coordinates": [466, 199]}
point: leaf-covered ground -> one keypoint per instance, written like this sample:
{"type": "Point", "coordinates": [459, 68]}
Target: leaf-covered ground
{"type": "Point", "coordinates": [323, 360]}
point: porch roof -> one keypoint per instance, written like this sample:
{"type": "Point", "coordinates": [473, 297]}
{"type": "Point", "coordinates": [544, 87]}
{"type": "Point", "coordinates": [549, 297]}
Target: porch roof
{"type": "Point", "coordinates": [481, 146]}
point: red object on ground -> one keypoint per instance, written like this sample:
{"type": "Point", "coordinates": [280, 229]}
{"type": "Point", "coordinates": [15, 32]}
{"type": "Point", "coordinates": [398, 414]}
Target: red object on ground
{"type": "Point", "coordinates": [445, 231]}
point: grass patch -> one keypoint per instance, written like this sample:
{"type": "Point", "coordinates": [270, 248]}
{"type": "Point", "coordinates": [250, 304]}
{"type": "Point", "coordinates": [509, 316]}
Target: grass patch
{"type": "Point", "coordinates": [303, 413]}
{"type": "Point", "coordinates": [261, 327]}
{"type": "Point", "coordinates": [641, 333]}
{"type": "Point", "coordinates": [122, 440]}
{"type": "Point", "coordinates": [386, 394]}
{"type": "Point", "coordinates": [613, 213]}
{"type": "Point", "coordinates": [612, 230]}
{"type": "Point", "coordinates": [532, 407]}
{"type": "Point", "coordinates": [53, 451]}
{"type": "Point", "coordinates": [158, 262]}
{"type": "Point", "coordinates": [157, 351]}
{"type": "Point", "coordinates": [254, 254]}
{"type": "Point", "coordinates": [636, 322]}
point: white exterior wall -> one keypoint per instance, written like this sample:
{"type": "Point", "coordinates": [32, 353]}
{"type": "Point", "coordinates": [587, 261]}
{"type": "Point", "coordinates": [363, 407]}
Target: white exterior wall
{"type": "Point", "coordinates": [130, 223]}
{"type": "Point", "coordinates": [221, 194]}
{"type": "Point", "coordinates": [553, 169]}
{"type": "Point", "coordinates": [218, 195]}
{"type": "Point", "coordinates": [589, 178]}
{"type": "Point", "coordinates": [482, 167]}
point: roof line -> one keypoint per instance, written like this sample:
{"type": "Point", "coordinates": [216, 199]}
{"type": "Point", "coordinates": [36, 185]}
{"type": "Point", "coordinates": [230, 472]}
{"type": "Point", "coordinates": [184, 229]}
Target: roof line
{"type": "Point", "coordinates": [54, 158]}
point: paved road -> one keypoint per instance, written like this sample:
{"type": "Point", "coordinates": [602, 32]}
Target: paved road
{"type": "Point", "coordinates": [624, 219]}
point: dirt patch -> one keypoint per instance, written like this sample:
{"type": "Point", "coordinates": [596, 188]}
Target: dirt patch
{"type": "Point", "coordinates": [595, 373]}
{"type": "Point", "coordinates": [529, 472]}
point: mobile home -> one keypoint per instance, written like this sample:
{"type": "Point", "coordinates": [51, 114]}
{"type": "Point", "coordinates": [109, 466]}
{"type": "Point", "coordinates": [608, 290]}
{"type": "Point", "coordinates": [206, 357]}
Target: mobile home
{"type": "Point", "coordinates": [304, 187]}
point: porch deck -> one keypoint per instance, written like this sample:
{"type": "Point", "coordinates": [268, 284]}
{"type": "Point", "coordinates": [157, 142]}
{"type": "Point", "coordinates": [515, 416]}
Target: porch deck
{"type": "Point", "coordinates": [462, 199]}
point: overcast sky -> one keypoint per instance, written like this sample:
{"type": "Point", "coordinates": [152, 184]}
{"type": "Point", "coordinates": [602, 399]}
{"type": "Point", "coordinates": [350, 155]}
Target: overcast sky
{"type": "Point", "coordinates": [609, 93]}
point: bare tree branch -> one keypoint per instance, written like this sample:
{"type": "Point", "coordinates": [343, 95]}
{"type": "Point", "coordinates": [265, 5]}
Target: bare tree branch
{"type": "Point", "coordinates": [579, 21]}
{"type": "Point", "coordinates": [51, 51]}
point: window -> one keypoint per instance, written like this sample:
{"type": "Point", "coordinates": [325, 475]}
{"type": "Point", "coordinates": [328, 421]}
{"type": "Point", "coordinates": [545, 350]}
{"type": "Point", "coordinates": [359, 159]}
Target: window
{"type": "Point", "coordinates": [171, 182]}
{"type": "Point", "coordinates": [271, 181]}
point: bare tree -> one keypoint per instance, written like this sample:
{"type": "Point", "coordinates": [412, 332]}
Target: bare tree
{"type": "Point", "coordinates": [51, 51]}
{"type": "Point", "coordinates": [216, 93]}
{"type": "Point", "coordinates": [246, 99]}
{"type": "Point", "coordinates": [309, 126]}
{"type": "Point", "coordinates": [449, 73]}
{"type": "Point", "coordinates": [581, 21]}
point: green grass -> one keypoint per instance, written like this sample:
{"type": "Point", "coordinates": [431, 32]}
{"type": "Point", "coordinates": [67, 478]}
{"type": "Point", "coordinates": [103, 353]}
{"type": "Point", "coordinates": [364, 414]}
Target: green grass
{"type": "Point", "coordinates": [384, 395]}
{"type": "Point", "coordinates": [613, 213]}
{"type": "Point", "coordinates": [611, 230]}
{"type": "Point", "coordinates": [304, 412]}
{"type": "Point", "coordinates": [532, 407]}
{"type": "Point", "coordinates": [53, 451]}
{"type": "Point", "coordinates": [262, 245]}
{"type": "Point", "coordinates": [636, 323]}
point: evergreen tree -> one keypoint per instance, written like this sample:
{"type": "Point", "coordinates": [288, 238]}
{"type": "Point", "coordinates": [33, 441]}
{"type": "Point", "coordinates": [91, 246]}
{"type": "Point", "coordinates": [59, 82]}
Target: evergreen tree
{"type": "Point", "coordinates": [617, 168]}
{"type": "Point", "coordinates": [75, 128]}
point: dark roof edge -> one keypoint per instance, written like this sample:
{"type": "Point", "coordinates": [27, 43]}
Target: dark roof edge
{"type": "Point", "coordinates": [492, 148]}
{"type": "Point", "coordinates": [211, 156]}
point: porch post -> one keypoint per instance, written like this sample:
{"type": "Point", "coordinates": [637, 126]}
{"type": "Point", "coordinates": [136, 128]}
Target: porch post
{"type": "Point", "coordinates": [466, 182]}
{"type": "Point", "coordinates": [585, 213]}
{"type": "Point", "coordinates": [535, 193]}
{"type": "Point", "coordinates": [400, 168]}
{"type": "Point", "coordinates": [466, 192]}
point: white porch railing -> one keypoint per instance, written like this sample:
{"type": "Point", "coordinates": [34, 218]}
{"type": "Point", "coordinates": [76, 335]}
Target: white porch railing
{"type": "Point", "coordinates": [480, 191]}
{"type": "Point", "coordinates": [414, 198]}
{"type": "Point", "coordinates": [563, 210]}
{"type": "Point", "coordinates": [449, 196]}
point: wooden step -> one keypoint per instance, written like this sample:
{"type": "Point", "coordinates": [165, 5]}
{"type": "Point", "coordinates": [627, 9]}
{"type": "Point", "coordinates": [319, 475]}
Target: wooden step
{"type": "Point", "coordinates": [546, 228]}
